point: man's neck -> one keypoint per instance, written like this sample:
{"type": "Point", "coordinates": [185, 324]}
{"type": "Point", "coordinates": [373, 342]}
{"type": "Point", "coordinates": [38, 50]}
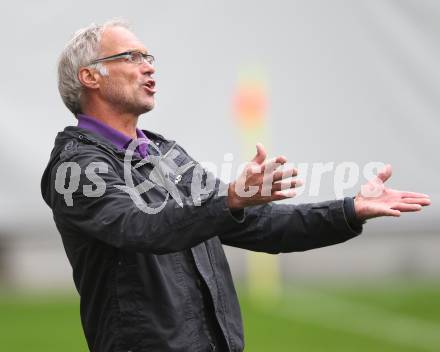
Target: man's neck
{"type": "Point", "coordinates": [123, 122]}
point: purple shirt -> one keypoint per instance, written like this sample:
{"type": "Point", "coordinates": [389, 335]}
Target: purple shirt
{"type": "Point", "coordinates": [118, 139]}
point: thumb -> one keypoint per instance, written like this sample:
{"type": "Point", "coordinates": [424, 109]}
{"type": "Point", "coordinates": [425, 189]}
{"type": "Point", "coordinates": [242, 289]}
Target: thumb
{"type": "Point", "coordinates": [385, 173]}
{"type": "Point", "coordinates": [261, 154]}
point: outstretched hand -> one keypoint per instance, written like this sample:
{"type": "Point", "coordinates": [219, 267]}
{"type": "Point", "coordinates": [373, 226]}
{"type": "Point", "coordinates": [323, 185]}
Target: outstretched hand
{"type": "Point", "coordinates": [375, 199]}
{"type": "Point", "coordinates": [262, 182]}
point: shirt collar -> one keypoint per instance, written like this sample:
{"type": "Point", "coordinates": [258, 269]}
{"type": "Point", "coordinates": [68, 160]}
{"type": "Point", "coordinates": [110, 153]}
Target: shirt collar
{"type": "Point", "coordinates": [118, 139]}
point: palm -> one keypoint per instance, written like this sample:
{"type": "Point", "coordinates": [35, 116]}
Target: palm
{"type": "Point", "coordinates": [375, 199]}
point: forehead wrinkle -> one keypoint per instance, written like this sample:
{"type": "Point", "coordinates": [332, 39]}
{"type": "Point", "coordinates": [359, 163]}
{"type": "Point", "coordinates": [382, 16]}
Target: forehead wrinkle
{"type": "Point", "coordinates": [117, 40]}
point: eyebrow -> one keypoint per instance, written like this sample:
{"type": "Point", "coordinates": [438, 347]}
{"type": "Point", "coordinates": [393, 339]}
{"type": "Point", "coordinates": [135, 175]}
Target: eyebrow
{"type": "Point", "coordinates": [144, 51]}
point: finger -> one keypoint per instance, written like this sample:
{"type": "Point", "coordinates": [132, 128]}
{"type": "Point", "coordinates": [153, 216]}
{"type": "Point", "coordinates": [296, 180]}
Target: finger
{"type": "Point", "coordinates": [414, 195]}
{"type": "Point", "coordinates": [385, 173]}
{"type": "Point", "coordinates": [392, 212]}
{"type": "Point", "coordinates": [421, 201]}
{"type": "Point", "coordinates": [253, 169]}
{"type": "Point", "coordinates": [407, 207]}
{"type": "Point", "coordinates": [273, 164]}
{"type": "Point", "coordinates": [286, 184]}
{"type": "Point", "coordinates": [288, 193]}
{"type": "Point", "coordinates": [261, 154]}
{"type": "Point", "coordinates": [283, 174]}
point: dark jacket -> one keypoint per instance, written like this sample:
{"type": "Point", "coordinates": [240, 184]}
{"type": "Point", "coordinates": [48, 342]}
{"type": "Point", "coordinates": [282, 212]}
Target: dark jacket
{"type": "Point", "coordinates": [131, 267]}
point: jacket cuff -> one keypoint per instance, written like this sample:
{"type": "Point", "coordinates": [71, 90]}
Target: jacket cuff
{"type": "Point", "coordinates": [350, 215]}
{"type": "Point", "coordinates": [224, 218]}
{"type": "Point", "coordinates": [339, 219]}
{"type": "Point", "coordinates": [238, 215]}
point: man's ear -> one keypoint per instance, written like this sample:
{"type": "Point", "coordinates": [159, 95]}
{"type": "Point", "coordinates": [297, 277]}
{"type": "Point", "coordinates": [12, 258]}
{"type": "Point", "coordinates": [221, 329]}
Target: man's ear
{"type": "Point", "coordinates": [89, 77]}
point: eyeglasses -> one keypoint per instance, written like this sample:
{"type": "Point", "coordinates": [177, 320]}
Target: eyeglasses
{"type": "Point", "coordinates": [135, 56]}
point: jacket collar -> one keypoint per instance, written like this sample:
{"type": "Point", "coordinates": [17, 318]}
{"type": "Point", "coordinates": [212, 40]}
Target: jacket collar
{"type": "Point", "coordinates": [88, 137]}
{"type": "Point", "coordinates": [120, 140]}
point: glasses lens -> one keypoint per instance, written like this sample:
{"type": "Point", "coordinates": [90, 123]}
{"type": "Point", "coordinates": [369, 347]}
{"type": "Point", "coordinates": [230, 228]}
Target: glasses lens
{"type": "Point", "coordinates": [136, 57]}
{"type": "Point", "coordinates": [149, 59]}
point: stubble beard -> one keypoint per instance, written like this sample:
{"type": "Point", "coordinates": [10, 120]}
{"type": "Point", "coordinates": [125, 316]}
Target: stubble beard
{"type": "Point", "coordinates": [125, 102]}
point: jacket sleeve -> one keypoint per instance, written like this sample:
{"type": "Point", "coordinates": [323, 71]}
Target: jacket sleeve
{"type": "Point", "coordinates": [114, 219]}
{"type": "Point", "coordinates": [277, 228]}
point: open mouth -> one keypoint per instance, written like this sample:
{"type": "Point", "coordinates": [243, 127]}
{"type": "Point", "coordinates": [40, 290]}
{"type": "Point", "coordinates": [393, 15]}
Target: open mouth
{"type": "Point", "coordinates": [150, 86]}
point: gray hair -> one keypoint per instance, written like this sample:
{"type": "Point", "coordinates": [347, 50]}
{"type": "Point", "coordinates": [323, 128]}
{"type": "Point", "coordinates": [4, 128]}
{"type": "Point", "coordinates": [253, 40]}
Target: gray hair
{"type": "Point", "coordinates": [79, 52]}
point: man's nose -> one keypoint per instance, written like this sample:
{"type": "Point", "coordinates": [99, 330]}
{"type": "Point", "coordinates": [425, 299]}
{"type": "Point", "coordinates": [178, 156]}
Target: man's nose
{"type": "Point", "coordinates": [146, 67]}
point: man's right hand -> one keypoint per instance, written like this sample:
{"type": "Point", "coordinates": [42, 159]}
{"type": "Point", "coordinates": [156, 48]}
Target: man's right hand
{"type": "Point", "coordinates": [262, 182]}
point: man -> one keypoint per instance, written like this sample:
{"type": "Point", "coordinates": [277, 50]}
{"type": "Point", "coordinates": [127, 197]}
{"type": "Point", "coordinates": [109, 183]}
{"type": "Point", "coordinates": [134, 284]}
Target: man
{"type": "Point", "coordinates": [146, 251]}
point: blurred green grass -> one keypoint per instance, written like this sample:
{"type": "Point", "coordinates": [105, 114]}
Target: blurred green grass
{"type": "Point", "coordinates": [387, 317]}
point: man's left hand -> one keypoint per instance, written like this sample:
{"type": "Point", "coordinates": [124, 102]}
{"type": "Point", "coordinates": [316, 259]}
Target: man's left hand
{"type": "Point", "coordinates": [376, 200]}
